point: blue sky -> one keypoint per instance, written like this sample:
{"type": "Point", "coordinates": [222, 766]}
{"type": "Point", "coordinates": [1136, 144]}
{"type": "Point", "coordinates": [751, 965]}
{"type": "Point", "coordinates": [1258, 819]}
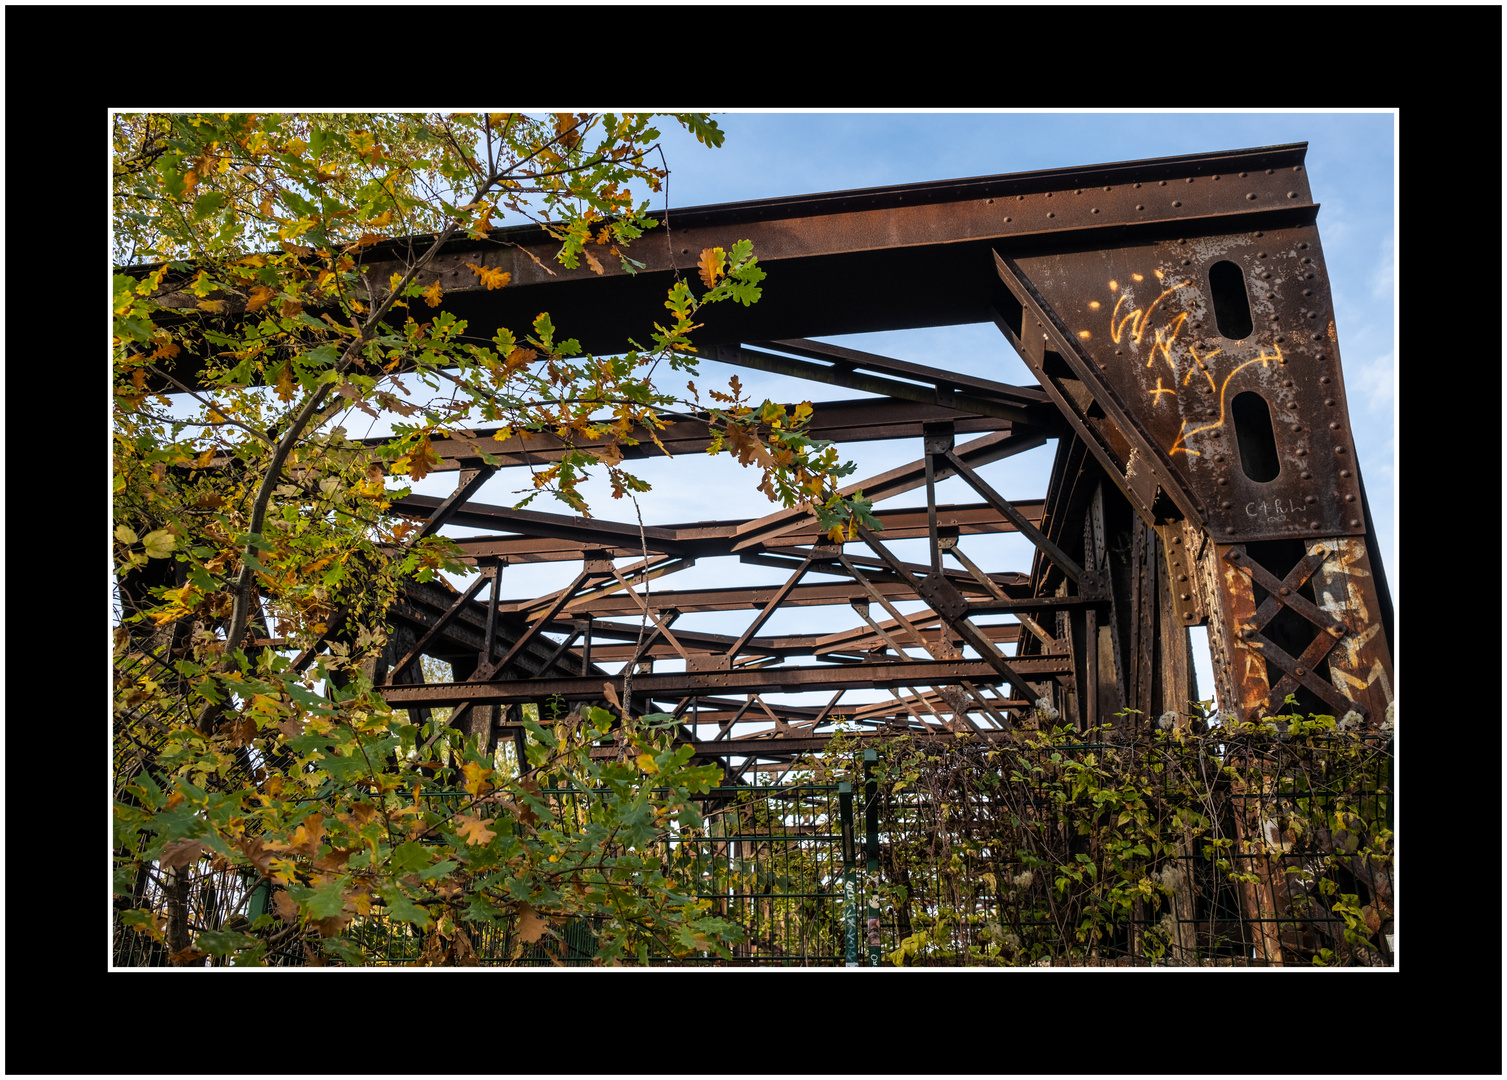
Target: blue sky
{"type": "Point", "coordinates": [1351, 171]}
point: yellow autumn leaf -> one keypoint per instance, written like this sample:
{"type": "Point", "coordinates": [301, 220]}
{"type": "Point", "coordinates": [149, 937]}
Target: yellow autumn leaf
{"type": "Point", "coordinates": [646, 764]}
{"type": "Point", "coordinates": [490, 276]}
{"type": "Point", "coordinates": [432, 295]}
{"type": "Point", "coordinates": [476, 778]}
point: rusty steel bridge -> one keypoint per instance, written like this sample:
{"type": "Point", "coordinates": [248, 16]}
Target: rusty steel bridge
{"type": "Point", "coordinates": [1176, 315]}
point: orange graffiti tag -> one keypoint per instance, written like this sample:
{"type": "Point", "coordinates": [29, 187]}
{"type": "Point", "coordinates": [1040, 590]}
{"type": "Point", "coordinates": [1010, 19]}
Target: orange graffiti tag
{"type": "Point", "coordinates": [1138, 318]}
{"type": "Point", "coordinates": [1184, 435]}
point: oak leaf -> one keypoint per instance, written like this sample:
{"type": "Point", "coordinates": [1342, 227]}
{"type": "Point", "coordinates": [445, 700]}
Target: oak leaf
{"type": "Point", "coordinates": [332, 926]}
{"type": "Point", "coordinates": [306, 838]}
{"type": "Point", "coordinates": [180, 853]}
{"type": "Point", "coordinates": [242, 730]}
{"type": "Point", "coordinates": [475, 829]}
{"type": "Point", "coordinates": [257, 852]}
{"type": "Point", "coordinates": [259, 296]}
{"type": "Point", "coordinates": [490, 276]}
{"type": "Point", "coordinates": [421, 461]}
{"type": "Point", "coordinates": [710, 265]}
{"type": "Point", "coordinates": [366, 239]}
{"type": "Point", "coordinates": [476, 778]}
{"type": "Point", "coordinates": [432, 295]}
{"type": "Point", "coordinates": [518, 357]}
{"type": "Point", "coordinates": [531, 925]}
{"type": "Point", "coordinates": [285, 388]}
{"type": "Point", "coordinates": [611, 454]}
{"type": "Point", "coordinates": [335, 860]}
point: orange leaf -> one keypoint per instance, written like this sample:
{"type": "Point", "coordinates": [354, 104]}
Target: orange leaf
{"type": "Point", "coordinates": [306, 838]}
{"type": "Point", "coordinates": [259, 296]}
{"type": "Point", "coordinates": [490, 276]}
{"type": "Point", "coordinates": [420, 461]}
{"type": "Point", "coordinates": [531, 925]}
{"type": "Point", "coordinates": [286, 391]}
{"type": "Point", "coordinates": [432, 295]}
{"type": "Point", "coordinates": [710, 265]}
{"type": "Point", "coordinates": [366, 239]}
{"type": "Point", "coordinates": [518, 357]}
{"type": "Point", "coordinates": [592, 261]}
{"type": "Point", "coordinates": [475, 829]}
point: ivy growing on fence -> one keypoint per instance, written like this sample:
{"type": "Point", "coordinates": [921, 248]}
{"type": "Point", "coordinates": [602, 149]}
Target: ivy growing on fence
{"type": "Point", "coordinates": [1175, 843]}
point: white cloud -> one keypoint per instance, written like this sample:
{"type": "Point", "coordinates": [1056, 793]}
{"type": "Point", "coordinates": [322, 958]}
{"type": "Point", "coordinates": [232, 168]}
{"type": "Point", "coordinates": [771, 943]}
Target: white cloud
{"type": "Point", "coordinates": [1383, 277]}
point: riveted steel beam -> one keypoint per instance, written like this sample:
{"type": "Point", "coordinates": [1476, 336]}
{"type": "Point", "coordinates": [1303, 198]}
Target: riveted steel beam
{"type": "Point", "coordinates": [824, 677]}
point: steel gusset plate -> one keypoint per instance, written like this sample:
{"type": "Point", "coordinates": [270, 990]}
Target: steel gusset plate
{"type": "Point", "coordinates": [1221, 351]}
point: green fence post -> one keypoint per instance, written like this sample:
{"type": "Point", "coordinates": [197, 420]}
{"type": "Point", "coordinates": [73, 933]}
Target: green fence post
{"type": "Point", "coordinates": [871, 850]}
{"type": "Point", "coordinates": [849, 885]}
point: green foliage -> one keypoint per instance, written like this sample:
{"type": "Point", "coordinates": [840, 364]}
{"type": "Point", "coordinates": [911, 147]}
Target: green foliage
{"type": "Point", "coordinates": [1055, 846]}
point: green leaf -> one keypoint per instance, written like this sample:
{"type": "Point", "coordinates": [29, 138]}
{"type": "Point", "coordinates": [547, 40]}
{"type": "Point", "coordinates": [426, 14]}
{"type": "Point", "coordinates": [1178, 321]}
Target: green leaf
{"type": "Point", "coordinates": [326, 902]}
{"type": "Point", "coordinates": [703, 127]}
{"type": "Point", "coordinates": [405, 910]}
{"type": "Point", "coordinates": [207, 204]}
{"type": "Point", "coordinates": [323, 354]}
{"type": "Point", "coordinates": [224, 942]}
{"type": "Point", "coordinates": [410, 857]}
{"type": "Point", "coordinates": [439, 869]}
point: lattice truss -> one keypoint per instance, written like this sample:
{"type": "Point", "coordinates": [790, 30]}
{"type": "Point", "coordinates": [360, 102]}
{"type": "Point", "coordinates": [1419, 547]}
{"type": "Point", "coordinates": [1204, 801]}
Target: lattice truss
{"type": "Point", "coordinates": [1176, 316]}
